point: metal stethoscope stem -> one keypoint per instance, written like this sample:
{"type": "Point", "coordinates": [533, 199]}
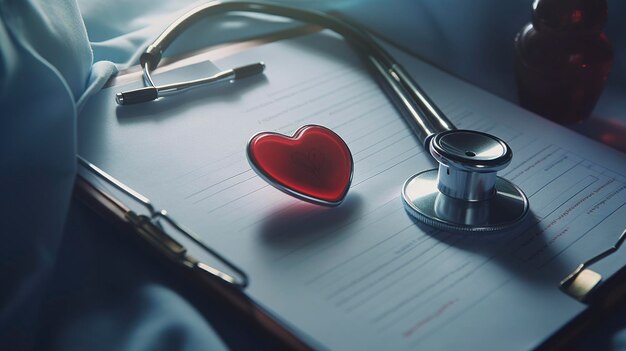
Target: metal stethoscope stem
{"type": "Point", "coordinates": [464, 194]}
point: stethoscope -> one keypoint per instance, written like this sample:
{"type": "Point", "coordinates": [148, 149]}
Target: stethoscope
{"type": "Point", "coordinates": [463, 194]}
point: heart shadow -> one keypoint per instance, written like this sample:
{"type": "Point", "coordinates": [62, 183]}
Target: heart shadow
{"type": "Point", "coordinates": [298, 224]}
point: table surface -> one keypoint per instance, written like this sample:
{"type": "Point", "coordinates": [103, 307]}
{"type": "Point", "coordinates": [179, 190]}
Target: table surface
{"type": "Point", "coordinates": [100, 281]}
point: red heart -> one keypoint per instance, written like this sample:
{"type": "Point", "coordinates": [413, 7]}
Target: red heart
{"type": "Point", "coordinates": [314, 165]}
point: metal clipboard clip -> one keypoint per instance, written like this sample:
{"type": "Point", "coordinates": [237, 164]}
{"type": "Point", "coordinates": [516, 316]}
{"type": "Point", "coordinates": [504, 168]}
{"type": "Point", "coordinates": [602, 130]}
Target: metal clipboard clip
{"type": "Point", "coordinates": [151, 228]}
{"type": "Point", "coordinates": [582, 281]}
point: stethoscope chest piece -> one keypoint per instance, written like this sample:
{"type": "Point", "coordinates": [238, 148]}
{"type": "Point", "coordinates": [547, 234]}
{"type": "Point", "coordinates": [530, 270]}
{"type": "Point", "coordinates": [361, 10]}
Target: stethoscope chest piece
{"type": "Point", "coordinates": [465, 193]}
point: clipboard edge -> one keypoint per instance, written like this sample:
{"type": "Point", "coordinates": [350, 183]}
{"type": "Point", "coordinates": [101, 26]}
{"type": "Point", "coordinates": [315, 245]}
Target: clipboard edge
{"type": "Point", "coordinates": [605, 300]}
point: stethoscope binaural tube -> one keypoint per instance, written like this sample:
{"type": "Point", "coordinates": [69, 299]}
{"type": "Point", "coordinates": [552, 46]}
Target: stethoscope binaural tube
{"type": "Point", "coordinates": [413, 101]}
{"type": "Point", "coordinates": [460, 196]}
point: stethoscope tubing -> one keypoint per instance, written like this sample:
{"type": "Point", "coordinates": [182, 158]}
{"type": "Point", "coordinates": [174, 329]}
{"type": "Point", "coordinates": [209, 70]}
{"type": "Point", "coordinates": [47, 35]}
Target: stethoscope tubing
{"type": "Point", "coordinates": [421, 113]}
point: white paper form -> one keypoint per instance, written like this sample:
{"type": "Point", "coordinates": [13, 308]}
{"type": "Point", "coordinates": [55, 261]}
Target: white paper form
{"type": "Point", "coordinates": [364, 275]}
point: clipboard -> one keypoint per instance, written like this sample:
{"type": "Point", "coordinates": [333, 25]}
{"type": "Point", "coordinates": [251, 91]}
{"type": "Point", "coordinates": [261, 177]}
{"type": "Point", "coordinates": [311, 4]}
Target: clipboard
{"type": "Point", "coordinates": [603, 301]}
{"type": "Point", "coordinates": [145, 230]}
{"type": "Point", "coordinates": [138, 230]}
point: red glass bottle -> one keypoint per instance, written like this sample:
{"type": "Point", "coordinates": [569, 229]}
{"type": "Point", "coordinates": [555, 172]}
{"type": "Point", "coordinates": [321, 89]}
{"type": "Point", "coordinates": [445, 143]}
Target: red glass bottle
{"type": "Point", "coordinates": [563, 58]}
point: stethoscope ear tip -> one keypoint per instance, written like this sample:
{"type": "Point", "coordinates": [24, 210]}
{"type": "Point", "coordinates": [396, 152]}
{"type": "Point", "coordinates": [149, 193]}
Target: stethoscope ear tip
{"type": "Point", "coordinates": [137, 96]}
{"type": "Point", "coordinates": [249, 70]}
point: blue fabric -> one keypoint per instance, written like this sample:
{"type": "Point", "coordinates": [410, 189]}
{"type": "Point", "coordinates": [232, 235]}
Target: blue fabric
{"type": "Point", "coordinates": [40, 87]}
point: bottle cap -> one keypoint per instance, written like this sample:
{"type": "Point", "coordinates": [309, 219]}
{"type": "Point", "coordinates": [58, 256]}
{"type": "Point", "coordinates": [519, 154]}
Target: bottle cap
{"type": "Point", "coordinates": [570, 15]}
